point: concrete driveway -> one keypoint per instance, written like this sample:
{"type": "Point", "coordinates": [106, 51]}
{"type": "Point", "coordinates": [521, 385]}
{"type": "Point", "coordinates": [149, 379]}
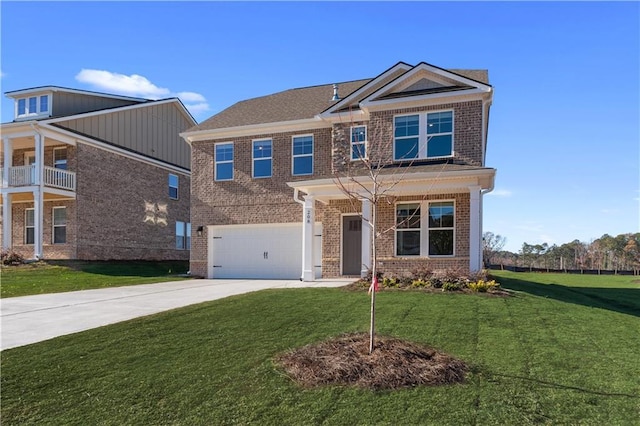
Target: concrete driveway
{"type": "Point", "coordinates": [31, 319]}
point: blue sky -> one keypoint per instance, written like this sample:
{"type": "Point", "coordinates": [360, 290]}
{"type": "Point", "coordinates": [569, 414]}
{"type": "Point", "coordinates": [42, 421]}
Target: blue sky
{"type": "Point", "coordinates": [564, 131]}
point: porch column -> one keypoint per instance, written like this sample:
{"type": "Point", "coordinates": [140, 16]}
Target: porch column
{"type": "Point", "coordinates": [8, 160]}
{"type": "Point", "coordinates": [308, 231]}
{"type": "Point", "coordinates": [38, 201]}
{"type": "Point", "coordinates": [475, 229]}
{"type": "Point", "coordinates": [6, 221]}
{"type": "Point", "coordinates": [366, 238]}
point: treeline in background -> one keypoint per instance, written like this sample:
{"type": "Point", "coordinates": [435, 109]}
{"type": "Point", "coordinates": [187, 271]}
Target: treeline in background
{"type": "Point", "coordinates": [605, 255]}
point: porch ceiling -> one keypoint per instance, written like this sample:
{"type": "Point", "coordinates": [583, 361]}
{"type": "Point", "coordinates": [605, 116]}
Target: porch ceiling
{"type": "Point", "coordinates": [27, 197]}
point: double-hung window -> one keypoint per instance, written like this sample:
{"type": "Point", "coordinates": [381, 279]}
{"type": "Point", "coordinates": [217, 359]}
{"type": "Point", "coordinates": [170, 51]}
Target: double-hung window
{"type": "Point", "coordinates": [262, 158]}
{"type": "Point", "coordinates": [183, 235]}
{"type": "Point", "coordinates": [302, 155]}
{"type": "Point", "coordinates": [224, 161]}
{"type": "Point", "coordinates": [408, 229]}
{"type": "Point", "coordinates": [29, 226]}
{"type": "Point", "coordinates": [60, 158]}
{"type": "Point", "coordinates": [358, 143]}
{"type": "Point", "coordinates": [441, 228]}
{"type": "Point", "coordinates": [434, 236]}
{"type": "Point", "coordinates": [59, 225]}
{"type": "Point", "coordinates": [173, 186]}
{"type": "Point", "coordinates": [423, 136]}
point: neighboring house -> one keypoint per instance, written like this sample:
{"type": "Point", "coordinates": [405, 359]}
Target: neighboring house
{"type": "Point", "coordinates": [95, 176]}
{"type": "Point", "coordinates": [266, 198]}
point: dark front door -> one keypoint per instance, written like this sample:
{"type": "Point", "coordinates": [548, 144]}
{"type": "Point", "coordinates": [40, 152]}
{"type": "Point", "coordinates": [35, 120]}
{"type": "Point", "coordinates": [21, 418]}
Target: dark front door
{"type": "Point", "coordinates": [351, 245]}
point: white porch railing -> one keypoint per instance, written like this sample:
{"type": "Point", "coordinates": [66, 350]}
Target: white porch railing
{"type": "Point", "coordinates": [59, 178]}
{"type": "Point", "coordinates": [56, 178]}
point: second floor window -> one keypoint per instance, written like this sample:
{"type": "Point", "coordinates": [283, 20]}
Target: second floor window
{"type": "Point", "coordinates": [173, 186]}
{"type": "Point", "coordinates": [60, 158]}
{"type": "Point", "coordinates": [262, 158]}
{"type": "Point", "coordinates": [358, 143]}
{"type": "Point", "coordinates": [423, 136]}
{"type": "Point", "coordinates": [224, 161]}
{"type": "Point", "coordinates": [302, 155]}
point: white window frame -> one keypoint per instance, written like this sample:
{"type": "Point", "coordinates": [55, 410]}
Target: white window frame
{"type": "Point", "coordinates": [54, 226]}
{"type": "Point", "coordinates": [422, 135]}
{"type": "Point", "coordinates": [26, 240]}
{"type": "Point", "coordinates": [177, 186]}
{"type": "Point", "coordinates": [216, 162]}
{"type": "Point", "coordinates": [365, 143]}
{"type": "Point", "coordinates": [424, 228]}
{"type": "Point", "coordinates": [293, 157]}
{"type": "Point", "coordinates": [254, 159]}
{"type": "Point", "coordinates": [427, 229]}
{"type": "Point", "coordinates": [420, 229]}
{"type": "Point", "coordinates": [28, 111]}
{"type": "Point", "coordinates": [57, 163]}
{"type": "Point", "coordinates": [185, 232]}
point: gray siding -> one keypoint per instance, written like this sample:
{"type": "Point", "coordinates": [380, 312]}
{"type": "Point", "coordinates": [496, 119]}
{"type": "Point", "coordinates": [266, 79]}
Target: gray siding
{"type": "Point", "coordinates": [152, 130]}
{"type": "Point", "coordinates": [65, 103]}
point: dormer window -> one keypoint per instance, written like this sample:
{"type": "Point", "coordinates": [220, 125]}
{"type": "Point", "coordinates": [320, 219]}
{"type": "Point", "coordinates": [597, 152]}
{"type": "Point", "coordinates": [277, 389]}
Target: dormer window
{"type": "Point", "coordinates": [32, 106]}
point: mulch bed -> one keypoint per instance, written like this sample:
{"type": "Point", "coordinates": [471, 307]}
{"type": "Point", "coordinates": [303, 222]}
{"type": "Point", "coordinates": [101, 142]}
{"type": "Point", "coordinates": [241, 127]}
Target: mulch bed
{"type": "Point", "coordinates": [395, 363]}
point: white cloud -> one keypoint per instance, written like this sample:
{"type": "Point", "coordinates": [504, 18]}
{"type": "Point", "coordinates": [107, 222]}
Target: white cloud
{"type": "Point", "coordinates": [188, 97]}
{"type": "Point", "coordinates": [501, 193]}
{"type": "Point", "coordinates": [2, 74]}
{"type": "Point", "coordinates": [197, 109]}
{"type": "Point", "coordinates": [140, 86]}
{"type": "Point", "coordinates": [133, 85]}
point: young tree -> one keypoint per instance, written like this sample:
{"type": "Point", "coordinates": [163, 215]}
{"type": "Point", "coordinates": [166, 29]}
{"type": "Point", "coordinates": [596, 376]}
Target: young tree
{"type": "Point", "coordinates": [366, 173]}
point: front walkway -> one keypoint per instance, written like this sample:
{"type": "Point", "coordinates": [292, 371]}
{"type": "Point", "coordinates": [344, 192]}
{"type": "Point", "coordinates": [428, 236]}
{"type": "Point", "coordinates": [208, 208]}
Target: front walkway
{"type": "Point", "coordinates": [31, 319]}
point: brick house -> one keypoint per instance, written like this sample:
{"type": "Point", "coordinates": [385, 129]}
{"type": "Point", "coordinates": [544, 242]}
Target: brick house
{"type": "Point", "coordinates": [95, 176]}
{"type": "Point", "coordinates": [269, 176]}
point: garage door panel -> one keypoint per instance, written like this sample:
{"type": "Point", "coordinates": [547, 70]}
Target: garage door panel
{"type": "Point", "coordinates": [250, 251]}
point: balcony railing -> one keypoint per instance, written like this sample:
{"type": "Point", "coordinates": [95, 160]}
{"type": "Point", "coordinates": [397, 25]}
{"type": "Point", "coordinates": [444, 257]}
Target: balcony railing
{"type": "Point", "coordinates": [52, 177]}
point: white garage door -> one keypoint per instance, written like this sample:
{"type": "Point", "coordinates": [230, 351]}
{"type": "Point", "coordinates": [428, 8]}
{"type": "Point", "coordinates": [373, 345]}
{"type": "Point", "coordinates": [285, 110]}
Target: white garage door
{"type": "Point", "coordinates": [272, 251]}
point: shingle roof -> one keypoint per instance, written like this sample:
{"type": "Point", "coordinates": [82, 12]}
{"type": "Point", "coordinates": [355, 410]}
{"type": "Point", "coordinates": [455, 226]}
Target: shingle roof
{"type": "Point", "coordinates": [295, 104]}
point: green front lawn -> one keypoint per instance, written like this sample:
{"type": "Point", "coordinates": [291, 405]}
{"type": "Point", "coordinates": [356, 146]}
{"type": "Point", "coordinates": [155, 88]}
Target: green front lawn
{"type": "Point", "coordinates": [536, 357]}
{"type": "Point", "coordinates": [56, 277]}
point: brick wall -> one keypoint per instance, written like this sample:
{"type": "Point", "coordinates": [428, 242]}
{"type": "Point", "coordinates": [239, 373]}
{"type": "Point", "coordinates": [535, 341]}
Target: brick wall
{"type": "Point", "coordinates": [246, 200]}
{"type": "Point", "coordinates": [124, 210]}
{"type": "Point", "coordinates": [387, 261]}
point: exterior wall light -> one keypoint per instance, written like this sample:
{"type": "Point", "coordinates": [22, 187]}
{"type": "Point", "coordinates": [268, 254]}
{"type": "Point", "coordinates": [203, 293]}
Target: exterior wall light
{"type": "Point", "coordinates": [199, 230]}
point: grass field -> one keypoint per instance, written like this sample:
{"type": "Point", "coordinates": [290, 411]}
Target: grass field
{"type": "Point", "coordinates": [56, 277]}
{"type": "Point", "coordinates": [557, 352]}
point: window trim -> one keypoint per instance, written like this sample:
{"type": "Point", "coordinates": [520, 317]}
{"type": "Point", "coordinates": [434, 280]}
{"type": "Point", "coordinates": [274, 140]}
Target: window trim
{"type": "Point", "coordinates": [452, 229]}
{"type": "Point", "coordinates": [38, 107]}
{"type": "Point", "coordinates": [216, 162]}
{"type": "Point", "coordinates": [26, 240]}
{"type": "Point", "coordinates": [54, 226]}
{"type": "Point", "coordinates": [177, 186]}
{"type": "Point", "coordinates": [66, 158]}
{"type": "Point", "coordinates": [293, 157]}
{"type": "Point", "coordinates": [424, 228]}
{"type": "Point", "coordinates": [365, 142]}
{"type": "Point", "coordinates": [254, 159]}
{"type": "Point", "coordinates": [185, 229]}
{"type": "Point", "coordinates": [423, 137]}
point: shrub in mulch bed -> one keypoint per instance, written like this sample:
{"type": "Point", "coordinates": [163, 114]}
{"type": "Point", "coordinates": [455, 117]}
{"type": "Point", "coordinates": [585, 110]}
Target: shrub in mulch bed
{"type": "Point", "coordinates": [395, 363]}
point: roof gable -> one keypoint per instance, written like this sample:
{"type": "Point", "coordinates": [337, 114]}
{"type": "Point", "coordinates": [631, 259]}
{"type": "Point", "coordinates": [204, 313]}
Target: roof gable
{"type": "Point", "coordinates": [425, 80]}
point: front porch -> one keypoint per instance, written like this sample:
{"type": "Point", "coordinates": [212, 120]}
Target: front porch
{"type": "Point", "coordinates": [34, 170]}
{"type": "Point", "coordinates": [408, 207]}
